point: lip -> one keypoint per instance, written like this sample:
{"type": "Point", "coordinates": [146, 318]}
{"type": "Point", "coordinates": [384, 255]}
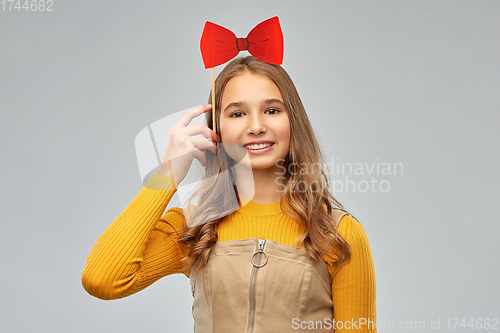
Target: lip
{"type": "Point", "coordinates": [260, 151]}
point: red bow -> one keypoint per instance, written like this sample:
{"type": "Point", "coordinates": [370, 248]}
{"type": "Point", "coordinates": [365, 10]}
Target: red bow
{"type": "Point", "coordinates": [265, 42]}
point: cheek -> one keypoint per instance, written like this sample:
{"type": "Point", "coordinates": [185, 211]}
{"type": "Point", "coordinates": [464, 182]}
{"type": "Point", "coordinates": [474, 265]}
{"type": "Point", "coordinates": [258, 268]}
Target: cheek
{"type": "Point", "coordinates": [284, 131]}
{"type": "Point", "coordinates": [227, 131]}
{"type": "Point", "coordinates": [222, 127]}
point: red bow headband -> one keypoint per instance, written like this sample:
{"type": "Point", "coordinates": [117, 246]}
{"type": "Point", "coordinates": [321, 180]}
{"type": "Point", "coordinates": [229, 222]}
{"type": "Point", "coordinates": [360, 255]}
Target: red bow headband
{"type": "Point", "coordinates": [265, 42]}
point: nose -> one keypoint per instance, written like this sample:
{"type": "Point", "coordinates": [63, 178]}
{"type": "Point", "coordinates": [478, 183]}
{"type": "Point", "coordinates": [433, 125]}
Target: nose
{"type": "Point", "coordinates": [256, 124]}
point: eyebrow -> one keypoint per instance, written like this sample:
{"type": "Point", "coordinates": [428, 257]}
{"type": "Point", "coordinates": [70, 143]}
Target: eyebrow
{"type": "Point", "coordinates": [265, 102]}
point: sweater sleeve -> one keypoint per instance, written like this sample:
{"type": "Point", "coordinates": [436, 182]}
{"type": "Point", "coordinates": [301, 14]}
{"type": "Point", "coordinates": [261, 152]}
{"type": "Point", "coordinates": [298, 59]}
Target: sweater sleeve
{"type": "Point", "coordinates": [353, 284]}
{"type": "Point", "coordinates": [139, 247]}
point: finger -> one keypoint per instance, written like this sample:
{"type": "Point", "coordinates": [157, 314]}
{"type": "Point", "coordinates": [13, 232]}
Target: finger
{"type": "Point", "coordinates": [214, 136]}
{"type": "Point", "coordinates": [202, 129]}
{"type": "Point", "coordinates": [200, 157]}
{"type": "Point", "coordinates": [203, 144]}
{"type": "Point", "coordinates": [192, 113]}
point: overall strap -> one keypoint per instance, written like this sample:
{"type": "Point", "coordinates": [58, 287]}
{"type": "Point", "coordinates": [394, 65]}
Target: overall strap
{"type": "Point", "coordinates": [338, 214]}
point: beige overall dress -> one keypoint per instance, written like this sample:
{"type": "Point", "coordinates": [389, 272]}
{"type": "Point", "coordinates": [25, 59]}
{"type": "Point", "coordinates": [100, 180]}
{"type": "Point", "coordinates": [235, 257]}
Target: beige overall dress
{"type": "Point", "coordinates": [257, 285]}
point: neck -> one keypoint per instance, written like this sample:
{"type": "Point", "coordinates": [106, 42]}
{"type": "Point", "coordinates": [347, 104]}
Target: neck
{"type": "Point", "coordinates": [259, 185]}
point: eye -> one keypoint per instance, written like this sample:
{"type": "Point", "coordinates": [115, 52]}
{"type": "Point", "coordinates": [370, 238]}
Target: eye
{"type": "Point", "coordinates": [234, 114]}
{"type": "Point", "coordinates": [275, 109]}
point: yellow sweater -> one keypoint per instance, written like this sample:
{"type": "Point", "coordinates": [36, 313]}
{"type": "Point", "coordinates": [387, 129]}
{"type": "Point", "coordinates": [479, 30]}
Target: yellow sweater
{"type": "Point", "coordinates": [138, 248]}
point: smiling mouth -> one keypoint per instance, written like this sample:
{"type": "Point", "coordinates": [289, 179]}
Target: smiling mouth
{"type": "Point", "coordinates": [257, 147]}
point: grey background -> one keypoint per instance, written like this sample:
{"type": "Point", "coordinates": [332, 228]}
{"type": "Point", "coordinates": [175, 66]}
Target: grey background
{"type": "Point", "coordinates": [411, 82]}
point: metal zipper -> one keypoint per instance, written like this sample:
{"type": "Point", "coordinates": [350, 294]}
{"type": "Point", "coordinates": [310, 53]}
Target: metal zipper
{"type": "Point", "coordinates": [259, 251]}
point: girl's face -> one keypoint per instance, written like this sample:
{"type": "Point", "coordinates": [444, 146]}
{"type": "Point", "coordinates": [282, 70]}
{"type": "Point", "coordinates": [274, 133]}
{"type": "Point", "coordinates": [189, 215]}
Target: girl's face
{"type": "Point", "coordinates": [252, 109]}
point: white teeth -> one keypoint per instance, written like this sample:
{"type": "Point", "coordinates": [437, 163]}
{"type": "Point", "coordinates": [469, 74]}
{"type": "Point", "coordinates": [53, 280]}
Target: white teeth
{"type": "Point", "coordinates": [263, 145]}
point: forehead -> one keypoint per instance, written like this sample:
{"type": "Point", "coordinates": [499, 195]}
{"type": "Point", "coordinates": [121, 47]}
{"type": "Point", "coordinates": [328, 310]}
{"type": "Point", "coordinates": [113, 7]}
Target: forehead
{"type": "Point", "coordinates": [249, 87]}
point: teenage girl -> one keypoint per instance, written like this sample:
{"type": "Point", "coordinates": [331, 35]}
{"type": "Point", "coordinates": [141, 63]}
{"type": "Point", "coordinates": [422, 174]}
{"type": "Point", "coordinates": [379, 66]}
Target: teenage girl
{"type": "Point", "coordinates": [288, 258]}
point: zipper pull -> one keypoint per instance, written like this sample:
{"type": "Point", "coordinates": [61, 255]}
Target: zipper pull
{"type": "Point", "coordinates": [259, 251]}
{"type": "Point", "coordinates": [261, 244]}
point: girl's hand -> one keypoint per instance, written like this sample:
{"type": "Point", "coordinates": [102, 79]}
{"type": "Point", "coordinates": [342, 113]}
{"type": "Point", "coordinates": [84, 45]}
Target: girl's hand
{"type": "Point", "coordinates": [182, 147]}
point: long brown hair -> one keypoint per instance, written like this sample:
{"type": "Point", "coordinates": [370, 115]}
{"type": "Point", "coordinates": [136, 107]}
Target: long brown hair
{"type": "Point", "coordinates": [308, 194]}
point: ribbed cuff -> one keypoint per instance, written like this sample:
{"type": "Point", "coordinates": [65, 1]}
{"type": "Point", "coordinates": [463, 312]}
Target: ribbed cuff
{"type": "Point", "coordinates": [160, 182]}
